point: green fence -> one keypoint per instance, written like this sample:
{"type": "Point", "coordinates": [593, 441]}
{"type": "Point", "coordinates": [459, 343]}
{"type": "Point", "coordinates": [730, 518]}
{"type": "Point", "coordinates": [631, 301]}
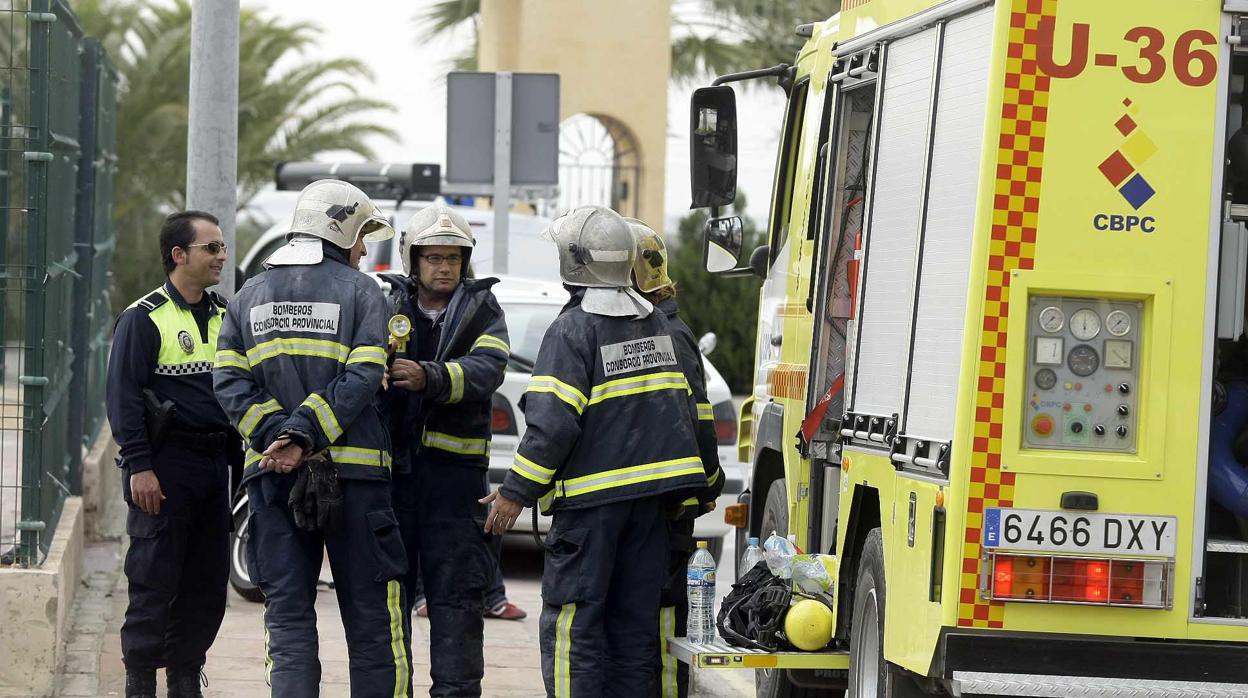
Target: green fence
{"type": "Point", "coordinates": [57, 117]}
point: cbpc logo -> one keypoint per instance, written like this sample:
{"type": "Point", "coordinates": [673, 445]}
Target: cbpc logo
{"type": "Point", "coordinates": [1121, 169]}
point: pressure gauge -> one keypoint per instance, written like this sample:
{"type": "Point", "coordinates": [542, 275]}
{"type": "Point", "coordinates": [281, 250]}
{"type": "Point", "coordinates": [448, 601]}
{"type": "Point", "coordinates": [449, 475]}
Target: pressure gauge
{"type": "Point", "coordinates": [1046, 379]}
{"type": "Point", "coordinates": [1052, 318]}
{"type": "Point", "coordinates": [1083, 360]}
{"type": "Point", "coordinates": [1085, 324]}
{"type": "Point", "coordinates": [1049, 351]}
{"type": "Point", "coordinates": [1117, 353]}
{"type": "Point", "coordinates": [1118, 322]}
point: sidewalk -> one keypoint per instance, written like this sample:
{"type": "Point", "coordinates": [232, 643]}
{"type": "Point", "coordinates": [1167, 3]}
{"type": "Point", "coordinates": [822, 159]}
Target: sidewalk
{"type": "Point", "coordinates": [236, 661]}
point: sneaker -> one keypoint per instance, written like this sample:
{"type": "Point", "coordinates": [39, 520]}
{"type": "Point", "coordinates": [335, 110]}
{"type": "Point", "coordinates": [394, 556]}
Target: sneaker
{"type": "Point", "coordinates": [422, 609]}
{"type": "Point", "coordinates": [506, 611]}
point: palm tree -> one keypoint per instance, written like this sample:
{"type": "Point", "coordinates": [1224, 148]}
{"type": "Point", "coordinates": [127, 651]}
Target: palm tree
{"type": "Point", "coordinates": [709, 37]}
{"type": "Point", "coordinates": [311, 106]}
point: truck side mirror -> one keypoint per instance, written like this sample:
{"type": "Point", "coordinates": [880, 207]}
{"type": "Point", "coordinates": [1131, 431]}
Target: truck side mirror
{"type": "Point", "coordinates": [758, 260]}
{"type": "Point", "coordinates": [713, 147]}
{"type": "Point", "coordinates": [723, 244]}
{"type": "Point", "coordinates": [707, 343]}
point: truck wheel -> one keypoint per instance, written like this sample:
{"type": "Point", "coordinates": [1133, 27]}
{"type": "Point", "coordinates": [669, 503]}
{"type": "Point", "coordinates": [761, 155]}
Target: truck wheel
{"type": "Point", "coordinates": [870, 675]}
{"type": "Point", "coordinates": [240, 579]}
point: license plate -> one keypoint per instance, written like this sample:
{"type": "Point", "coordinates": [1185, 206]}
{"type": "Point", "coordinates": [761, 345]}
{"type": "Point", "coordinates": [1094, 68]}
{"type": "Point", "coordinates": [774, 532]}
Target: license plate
{"type": "Point", "coordinates": [1064, 531]}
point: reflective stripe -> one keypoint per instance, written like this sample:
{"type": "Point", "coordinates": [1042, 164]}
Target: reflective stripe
{"type": "Point", "coordinates": [353, 455]}
{"type": "Point", "coordinates": [456, 372]}
{"type": "Point", "coordinates": [370, 355]}
{"type": "Point", "coordinates": [185, 369]}
{"type": "Point", "coordinates": [563, 651]}
{"type": "Point", "coordinates": [668, 380]}
{"type": "Point", "coordinates": [667, 674]}
{"type": "Point", "coordinates": [297, 346]}
{"type": "Point", "coordinates": [706, 412]}
{"type": "Point", "coordinates": [528, 469]}
{"type": "Point", "coordinates": [691, 502]}
{"type": "Point", "coordinates": [268, 658]}
{"type": "Point", "coordinates": [561, 390]}
{"type": "Point", "coordinates": [455, 444]}
{"type": "Point", "coordinates": [253, 415]}
{"type": "Point", "coordinates": [622, 477]}
{"type": "Point", "coordinates": [714, 478]}
{"type": "Point", "coordinates": [324, 416]}
{"type": "Point", "coordinates": [544, 501]}
{"type": "Point", "coordinates": [394, 607]}
{"type": "Point", "coordinates": [491, 342]}
{"type": "Point", "coordinates": [232, 359]}
{"type": "Point", "coordinates": [251, 457]}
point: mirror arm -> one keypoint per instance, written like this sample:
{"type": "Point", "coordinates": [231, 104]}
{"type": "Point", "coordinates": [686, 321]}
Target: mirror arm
{"type": "Point", "coordinates": [777, 71]}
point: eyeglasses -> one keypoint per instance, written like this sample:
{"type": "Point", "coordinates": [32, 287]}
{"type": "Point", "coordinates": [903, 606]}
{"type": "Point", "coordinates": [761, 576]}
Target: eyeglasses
{"type": "Point", "coordinates": [214, 247]}
{"type": "Point", "coordinates": [437, 259]}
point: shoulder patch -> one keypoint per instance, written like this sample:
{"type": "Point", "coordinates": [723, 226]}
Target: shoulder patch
{"type": "Point", "coordinates": [153, 300]}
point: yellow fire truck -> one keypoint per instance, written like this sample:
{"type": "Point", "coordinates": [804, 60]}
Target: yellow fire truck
{"type": "Point", "coordinates": [1001, 372]}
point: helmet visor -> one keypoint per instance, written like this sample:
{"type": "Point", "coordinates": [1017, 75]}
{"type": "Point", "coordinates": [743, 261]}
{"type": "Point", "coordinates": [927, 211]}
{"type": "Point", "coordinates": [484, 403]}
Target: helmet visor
{"type": "Point", "coordinates": [376, 228]}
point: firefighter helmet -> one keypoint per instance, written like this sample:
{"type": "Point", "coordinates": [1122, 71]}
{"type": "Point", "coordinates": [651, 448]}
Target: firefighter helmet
{"type": "Point", "coordinates": [596, 247]}
{"type": "Point", "coordinates": [808, 625]}
{"type": "Point", "coordinates": [334, 211]}
{"type": "Point", "coordinates": [650, 267]}
{"type": "Point", "coordinates": [436, 224]}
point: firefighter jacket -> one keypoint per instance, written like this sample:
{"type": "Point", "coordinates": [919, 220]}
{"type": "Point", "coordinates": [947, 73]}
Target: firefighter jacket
{"type": "Point", "coordinates": [609, 414]}
{"type": "Point", "coordinates": [303, 349]}
{"type": "Point", "coordinates": [166, 345]}
{"type": "Point", "coordinates": [450, 418]}
{"type": "Point", "coordinates": [690, 357]}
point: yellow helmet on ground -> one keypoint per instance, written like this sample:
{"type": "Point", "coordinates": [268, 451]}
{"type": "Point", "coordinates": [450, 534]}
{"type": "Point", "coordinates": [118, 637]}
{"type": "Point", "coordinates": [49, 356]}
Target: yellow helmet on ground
{"type": "Point", "coordinates": [650, 267]}
{"type": "Point", "coordinates": [808, 625]}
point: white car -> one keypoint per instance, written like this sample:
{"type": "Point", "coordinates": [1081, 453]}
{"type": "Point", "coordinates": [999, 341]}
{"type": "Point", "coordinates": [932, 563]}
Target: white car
{"type": "Point", "coordinates": [531, 305]}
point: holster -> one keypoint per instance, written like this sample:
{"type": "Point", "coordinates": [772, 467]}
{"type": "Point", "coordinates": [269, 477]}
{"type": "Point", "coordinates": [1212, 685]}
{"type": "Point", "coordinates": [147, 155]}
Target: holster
{"type": "Point", "coordinates": [157, 417]}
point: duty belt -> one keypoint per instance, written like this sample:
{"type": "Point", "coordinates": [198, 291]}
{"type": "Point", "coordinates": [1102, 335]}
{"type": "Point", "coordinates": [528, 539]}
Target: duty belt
{"type": "Point", "coordinates": [206, 442]}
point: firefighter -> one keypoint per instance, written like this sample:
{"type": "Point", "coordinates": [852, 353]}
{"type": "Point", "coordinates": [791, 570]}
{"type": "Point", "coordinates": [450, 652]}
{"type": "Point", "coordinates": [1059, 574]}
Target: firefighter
{"type": "Point", "coordinates": [300, 360]}
{"type": "Point", "coordinates": [445, 370]}
{"type": "Point", "coordinates": [174, 442]}
{"type": "Point", "coordinates": [650, 277]}
{"type": "Point", "coordinates": [609, 448]}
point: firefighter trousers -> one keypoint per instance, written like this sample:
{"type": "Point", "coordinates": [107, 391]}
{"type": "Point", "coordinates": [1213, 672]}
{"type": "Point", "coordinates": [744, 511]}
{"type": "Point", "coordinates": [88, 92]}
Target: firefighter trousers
{"type": "Point", "coordinates": [604, 568]}
{"type": "Point", "coordinates": [443, 530]}
{"type": "Point", "coordinates": [177, 566]}
{"type": "Point", "coordinates": [674, 610]}
{"type": "Point", "coordinates": [368, 562]}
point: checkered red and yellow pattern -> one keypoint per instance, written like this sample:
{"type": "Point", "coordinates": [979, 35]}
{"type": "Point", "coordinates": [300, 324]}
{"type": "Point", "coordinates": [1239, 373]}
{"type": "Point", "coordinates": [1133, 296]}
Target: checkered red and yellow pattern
{"type": "Point", "coordinates": [1016, 206]}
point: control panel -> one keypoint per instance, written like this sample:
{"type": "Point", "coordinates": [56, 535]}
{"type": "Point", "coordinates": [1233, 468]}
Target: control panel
{"type": "Point", "coordinates": [1082, 374]}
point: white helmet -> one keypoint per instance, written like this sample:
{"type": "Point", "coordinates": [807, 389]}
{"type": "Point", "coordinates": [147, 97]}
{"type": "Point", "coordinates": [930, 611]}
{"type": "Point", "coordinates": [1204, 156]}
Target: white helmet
{"type": "Point", "coordinates": [650, 268]}
{"type": "Point", "coordinates": [436, 224]}
{"type": "Point", "coordinates": [596, 247]}
{"type": "Point", "coordinates": [331, 210]}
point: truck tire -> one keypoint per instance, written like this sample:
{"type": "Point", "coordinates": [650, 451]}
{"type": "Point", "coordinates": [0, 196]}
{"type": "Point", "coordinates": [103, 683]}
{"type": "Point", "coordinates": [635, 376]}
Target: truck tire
{"type": "Point", "coordinates": [239, 560]}
{"type": "Point", "coordinates": [870, 675]}
{"type": "Point", "coordinates": [774, 683]}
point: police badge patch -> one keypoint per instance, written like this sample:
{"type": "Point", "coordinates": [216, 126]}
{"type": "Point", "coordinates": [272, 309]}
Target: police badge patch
{"type": "Point", "coordinates": [188, 344]}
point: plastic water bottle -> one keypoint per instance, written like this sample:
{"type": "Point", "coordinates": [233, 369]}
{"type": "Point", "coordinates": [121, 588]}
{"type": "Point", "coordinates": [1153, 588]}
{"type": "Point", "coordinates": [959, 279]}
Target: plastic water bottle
{"type": "Point", "coordinates": [753, 555]}
{"type": "Point", "coordinates": [701, 588]}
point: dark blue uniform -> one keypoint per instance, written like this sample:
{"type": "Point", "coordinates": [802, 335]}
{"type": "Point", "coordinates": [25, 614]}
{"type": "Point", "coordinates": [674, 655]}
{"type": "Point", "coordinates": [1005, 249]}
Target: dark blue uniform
{"type": "Point", "coordinates": [302, 350]}
{"type": "Point", "coordinates": [178, 561]}
{"type": "Point", "coordinates": [441, 444]}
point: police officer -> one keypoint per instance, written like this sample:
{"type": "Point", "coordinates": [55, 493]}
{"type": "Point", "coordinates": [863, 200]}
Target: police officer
{"type": "Point", "coordinates": [442, 380]}
{"type": "Point", "coordinates": [173, 440]}
{"type": "Point", "coordinates": [650, 277]}
{"type": "Point", "coordinates": [610, 445]}
{"type": "Point", "coordinates": [299, 363]}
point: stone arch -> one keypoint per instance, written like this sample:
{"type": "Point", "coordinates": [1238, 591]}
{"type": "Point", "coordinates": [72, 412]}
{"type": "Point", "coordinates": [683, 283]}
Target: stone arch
{"type": "Point", "coordinates": [614, 62]}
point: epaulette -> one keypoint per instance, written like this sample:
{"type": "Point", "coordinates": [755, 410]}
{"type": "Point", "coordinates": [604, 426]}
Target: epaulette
{"type": "Point", "coordinates": [154, 300]}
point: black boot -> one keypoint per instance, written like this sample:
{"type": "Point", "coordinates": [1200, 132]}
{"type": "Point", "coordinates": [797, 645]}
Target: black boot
{"type": "Point", "coordinates": [185, 683]}
{"type": "Point", "coordinates": [140, 683]}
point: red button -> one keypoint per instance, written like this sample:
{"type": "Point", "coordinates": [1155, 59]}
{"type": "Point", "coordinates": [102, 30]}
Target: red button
{"type": "Point", "coordinates": [1042, 424]}
{"type": "Point", "coordinates": [1087, 407]}
{"type": "Point", "coordinates": [1066, 407]}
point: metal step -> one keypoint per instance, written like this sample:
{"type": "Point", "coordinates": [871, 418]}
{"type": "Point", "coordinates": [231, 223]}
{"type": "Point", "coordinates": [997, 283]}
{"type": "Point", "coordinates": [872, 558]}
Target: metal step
{"type": "Point", "coordinates": [720, 655]}
{"type": "Point", "coordinates": [1227, 545]}
{"type": "Point", "coordinates": [976, 682]}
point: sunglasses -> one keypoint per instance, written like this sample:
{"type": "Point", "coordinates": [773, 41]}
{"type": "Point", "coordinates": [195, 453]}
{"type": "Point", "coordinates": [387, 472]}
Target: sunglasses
{"type": "Point", "coordinates": [213, 247]}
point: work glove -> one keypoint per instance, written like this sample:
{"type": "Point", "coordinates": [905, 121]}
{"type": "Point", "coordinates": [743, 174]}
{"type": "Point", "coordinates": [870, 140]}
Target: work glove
{"type": "Point", "coordinates": [316, 499]}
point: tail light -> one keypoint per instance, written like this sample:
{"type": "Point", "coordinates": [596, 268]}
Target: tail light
{"type": "Point", "coordinates": [382, 266]}
{"type": "Point", "coordinates": [502, 419]}
{"type": "Point", "coordinates": [725, 423]}
{"type": "Point", "coordinates": [1079, 580]}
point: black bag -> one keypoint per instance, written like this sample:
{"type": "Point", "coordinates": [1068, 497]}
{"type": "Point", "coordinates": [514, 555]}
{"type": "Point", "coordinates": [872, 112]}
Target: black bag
{"type": "Point", "coordinates": [752, 615]}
